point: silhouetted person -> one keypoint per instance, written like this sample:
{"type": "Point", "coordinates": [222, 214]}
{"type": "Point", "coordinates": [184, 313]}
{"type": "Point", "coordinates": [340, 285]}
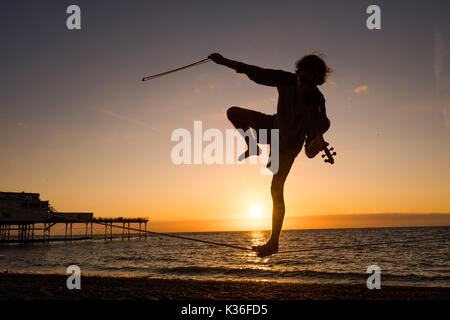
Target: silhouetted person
{"type": "Point", "coordinates": [300, 118]}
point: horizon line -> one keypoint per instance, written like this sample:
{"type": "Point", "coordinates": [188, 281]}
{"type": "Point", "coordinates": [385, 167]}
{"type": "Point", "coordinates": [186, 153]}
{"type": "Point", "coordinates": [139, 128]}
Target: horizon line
{"type": "Point", "coordinates": [338, 221]}
{"type": "Point", "coordinates": [312, 215]}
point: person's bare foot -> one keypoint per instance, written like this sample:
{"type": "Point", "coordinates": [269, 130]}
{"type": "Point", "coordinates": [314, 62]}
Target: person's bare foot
{"type": "Point", "coordinates": [247, 154]}
{"type": "Point", "coordinates": [266, 249]}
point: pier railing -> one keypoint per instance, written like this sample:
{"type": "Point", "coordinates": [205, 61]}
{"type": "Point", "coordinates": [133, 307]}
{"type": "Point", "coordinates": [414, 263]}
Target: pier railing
{"type": "Point", "coordinates": [23, 232]}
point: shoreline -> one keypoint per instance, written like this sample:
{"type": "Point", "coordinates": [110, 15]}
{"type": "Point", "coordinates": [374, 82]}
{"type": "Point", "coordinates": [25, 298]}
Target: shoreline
{"type": "Point", "coordinates": [35, 286]}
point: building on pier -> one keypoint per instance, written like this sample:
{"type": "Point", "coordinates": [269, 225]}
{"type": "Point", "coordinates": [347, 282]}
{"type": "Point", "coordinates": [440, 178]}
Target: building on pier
{"type": "Point", "coordinates": [24, 218]}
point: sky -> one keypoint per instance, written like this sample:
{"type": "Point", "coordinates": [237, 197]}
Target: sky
{"type": "Point", "coordinates": [79, 127]}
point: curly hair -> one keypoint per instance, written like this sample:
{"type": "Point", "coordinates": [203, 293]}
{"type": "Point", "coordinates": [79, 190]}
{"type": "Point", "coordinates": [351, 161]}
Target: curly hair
{"type": "Point", "coordinates": [314, 63]}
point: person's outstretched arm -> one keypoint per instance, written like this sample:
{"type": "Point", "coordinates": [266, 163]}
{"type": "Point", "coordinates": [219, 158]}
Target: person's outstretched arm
{"type": "Point", "coordinates": [219, 59]}
{"type": "Point", "coordinates": [262, 76]}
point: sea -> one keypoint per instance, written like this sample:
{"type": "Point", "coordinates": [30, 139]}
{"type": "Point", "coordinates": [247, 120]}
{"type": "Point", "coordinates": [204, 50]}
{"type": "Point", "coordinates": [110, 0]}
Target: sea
{"type": "Point", "coordinates": [410, 256]}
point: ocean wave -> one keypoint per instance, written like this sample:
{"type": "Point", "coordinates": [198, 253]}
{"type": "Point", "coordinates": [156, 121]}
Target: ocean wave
{"type": "Point", "coordinates": [306, 274]}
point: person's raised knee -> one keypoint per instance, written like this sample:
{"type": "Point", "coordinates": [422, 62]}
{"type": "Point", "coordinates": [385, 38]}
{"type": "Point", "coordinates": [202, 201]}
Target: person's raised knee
{"type": "Point", "coordinates": [232, 112]}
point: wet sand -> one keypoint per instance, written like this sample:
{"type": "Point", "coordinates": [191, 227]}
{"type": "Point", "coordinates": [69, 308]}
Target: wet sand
{"type": "Point", "coordinates": [53, 287]}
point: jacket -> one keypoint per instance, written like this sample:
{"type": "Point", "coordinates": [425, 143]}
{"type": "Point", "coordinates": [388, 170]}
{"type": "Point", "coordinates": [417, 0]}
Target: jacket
{"type": "Point", "coordinates": [294, 123]}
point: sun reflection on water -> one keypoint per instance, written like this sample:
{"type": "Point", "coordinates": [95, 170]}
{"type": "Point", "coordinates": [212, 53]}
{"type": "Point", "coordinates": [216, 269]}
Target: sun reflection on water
{"type": "Point", "coordinates": [257, 238]}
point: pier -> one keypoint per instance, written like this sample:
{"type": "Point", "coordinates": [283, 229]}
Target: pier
{"type": "Point", "coordinates": [24, 218]}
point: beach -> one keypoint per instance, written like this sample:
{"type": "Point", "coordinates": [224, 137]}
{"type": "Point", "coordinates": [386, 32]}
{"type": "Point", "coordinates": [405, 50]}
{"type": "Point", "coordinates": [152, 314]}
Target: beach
{"type": "Point", "coordinates": [16, 286]}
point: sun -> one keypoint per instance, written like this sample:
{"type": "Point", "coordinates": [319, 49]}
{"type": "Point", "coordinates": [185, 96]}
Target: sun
{"type": "Point", "coordinates": [255, 210]}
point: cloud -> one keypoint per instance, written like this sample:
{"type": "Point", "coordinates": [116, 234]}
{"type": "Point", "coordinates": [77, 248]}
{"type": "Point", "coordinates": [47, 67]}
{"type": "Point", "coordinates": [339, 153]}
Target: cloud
{"type": "Point", "coordinates": [21, 125]}
{"type": "Point", "coordinates": [209, 86]}
{"type": "Point", "coordinates": [361, 89]}
{"type": "Point", "coordinates": [124, 118]}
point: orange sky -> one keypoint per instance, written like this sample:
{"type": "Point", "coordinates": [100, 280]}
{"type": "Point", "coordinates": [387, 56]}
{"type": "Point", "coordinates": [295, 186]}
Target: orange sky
{"type": "Point", "coordinates": [99, 139]}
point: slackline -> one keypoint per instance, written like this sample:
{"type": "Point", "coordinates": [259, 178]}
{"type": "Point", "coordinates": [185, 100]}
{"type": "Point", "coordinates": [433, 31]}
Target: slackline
{"type": "Point", "coordinates": [446, 238]}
